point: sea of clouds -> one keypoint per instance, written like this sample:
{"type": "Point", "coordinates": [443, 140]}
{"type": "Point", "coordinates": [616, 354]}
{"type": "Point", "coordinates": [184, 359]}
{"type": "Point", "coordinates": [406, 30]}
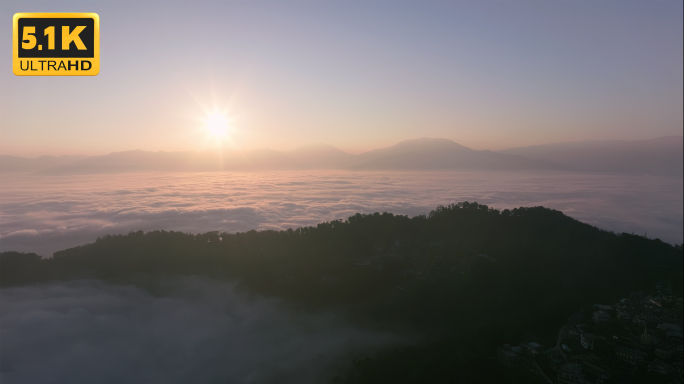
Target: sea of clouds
{"type": "Point", "coordinates": [198, 331]}
{"type": "Point", "coordinates": [45, 213]}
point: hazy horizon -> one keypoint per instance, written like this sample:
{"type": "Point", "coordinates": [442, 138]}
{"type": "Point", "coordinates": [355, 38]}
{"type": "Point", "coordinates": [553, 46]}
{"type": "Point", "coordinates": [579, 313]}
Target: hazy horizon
{"type": "Point", "coordinates": [349, 151]}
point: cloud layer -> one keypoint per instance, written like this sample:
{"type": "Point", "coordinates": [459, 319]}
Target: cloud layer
{"type": "Point", "coordinates": [200, 331]}
{"type": "Point", "coordinates": [43, 214]}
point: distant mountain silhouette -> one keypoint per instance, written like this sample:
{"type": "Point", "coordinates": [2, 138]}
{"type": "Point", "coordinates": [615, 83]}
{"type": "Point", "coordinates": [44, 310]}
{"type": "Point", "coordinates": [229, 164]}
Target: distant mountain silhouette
{"type": "Point", "coordinates": [419, 154]}
{"type": "Point", "coordinates": [661, 156]}
{"type": "Point", "coordinates": [130, 161]}
{"type": "Point", "coordinates": [308, 157]}
{"type": "Point", "coordinates": [439, 154]}
{"type": "Point", "coordinates": [9, 164]}
{"type": "Point", "coordinates": [321, 156]}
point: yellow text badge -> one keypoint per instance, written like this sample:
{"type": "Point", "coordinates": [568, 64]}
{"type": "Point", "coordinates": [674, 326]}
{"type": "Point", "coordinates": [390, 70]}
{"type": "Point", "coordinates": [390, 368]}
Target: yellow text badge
{"type": "Point", "coordinates": [56, 44]}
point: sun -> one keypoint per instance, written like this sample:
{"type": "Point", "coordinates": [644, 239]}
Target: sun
{"type": "Point", "coordinates": [217, 126]}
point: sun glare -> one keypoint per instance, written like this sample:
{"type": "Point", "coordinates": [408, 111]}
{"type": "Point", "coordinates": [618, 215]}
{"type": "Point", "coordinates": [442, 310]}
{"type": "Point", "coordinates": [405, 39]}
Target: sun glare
{"type": "Point", "coordinates": [217, 126]}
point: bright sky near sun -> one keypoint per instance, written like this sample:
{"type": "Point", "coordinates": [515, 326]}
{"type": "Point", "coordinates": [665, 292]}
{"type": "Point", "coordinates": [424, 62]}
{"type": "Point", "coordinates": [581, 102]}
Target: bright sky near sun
{"type": "Point", "coordinates": [356, 75]}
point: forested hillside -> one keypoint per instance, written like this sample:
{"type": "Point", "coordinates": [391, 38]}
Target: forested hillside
{"type": "Point", "coordinates": [423, 269]}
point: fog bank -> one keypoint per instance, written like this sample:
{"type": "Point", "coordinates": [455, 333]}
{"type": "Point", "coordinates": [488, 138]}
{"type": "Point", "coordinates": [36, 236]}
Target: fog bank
{"type": "Point", "coordinates": [200, 331]}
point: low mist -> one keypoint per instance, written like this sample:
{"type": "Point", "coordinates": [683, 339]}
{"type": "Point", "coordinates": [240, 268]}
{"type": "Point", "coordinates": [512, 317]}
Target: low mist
{"type": "Point", "coordinates": [198, 330]}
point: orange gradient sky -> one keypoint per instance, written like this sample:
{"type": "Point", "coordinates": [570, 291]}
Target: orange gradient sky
{"type": "Point", "coordinates": [488, 75]}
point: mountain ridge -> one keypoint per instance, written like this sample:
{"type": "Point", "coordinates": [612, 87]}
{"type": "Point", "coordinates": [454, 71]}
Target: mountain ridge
{"type": "Point", "coordinates": [659, 156]}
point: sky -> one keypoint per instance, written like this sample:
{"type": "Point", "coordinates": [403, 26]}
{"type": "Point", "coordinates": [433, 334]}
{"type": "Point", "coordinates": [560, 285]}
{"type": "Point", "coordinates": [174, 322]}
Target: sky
{"type": "Point", "coordinates": [356, 75]}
